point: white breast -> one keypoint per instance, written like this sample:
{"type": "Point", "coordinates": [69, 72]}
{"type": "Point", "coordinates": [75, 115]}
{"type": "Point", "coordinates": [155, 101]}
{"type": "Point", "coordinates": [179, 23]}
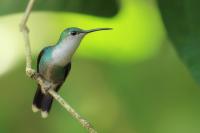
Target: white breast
{"type": "Point", "coordinates": [64, 51]}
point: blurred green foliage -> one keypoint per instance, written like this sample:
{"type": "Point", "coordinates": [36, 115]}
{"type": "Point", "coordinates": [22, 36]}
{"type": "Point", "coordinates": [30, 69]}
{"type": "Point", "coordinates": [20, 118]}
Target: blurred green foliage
{"type": "Point", "coordinates": [154, 94]}
{"type": "Point", "coordinates": [133, 37]}
{"type": "Point", "coordinates": [182, 19]}
{"type": "Point", "coordinates": [110, 7]}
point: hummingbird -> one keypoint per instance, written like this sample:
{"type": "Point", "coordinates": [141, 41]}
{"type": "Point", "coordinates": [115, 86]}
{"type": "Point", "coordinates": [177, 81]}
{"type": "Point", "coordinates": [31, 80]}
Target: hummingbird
{"type": "Point", "coordinates": [54, 65]}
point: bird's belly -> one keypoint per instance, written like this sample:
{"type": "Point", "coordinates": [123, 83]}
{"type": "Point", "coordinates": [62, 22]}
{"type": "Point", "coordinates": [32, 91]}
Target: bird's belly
{"type": "Point", "coordinates": [53, 73]}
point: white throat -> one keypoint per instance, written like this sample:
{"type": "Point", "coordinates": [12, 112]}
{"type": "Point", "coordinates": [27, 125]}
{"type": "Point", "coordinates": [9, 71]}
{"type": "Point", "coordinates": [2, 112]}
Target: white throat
{"type": "Point", "coordinates": [64, 51]}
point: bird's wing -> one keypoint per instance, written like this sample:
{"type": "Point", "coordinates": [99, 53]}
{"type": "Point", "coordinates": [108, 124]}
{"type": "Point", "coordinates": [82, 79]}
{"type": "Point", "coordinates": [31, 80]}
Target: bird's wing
{"type": "Point", "coordinates": [39, 57]}
{"type": "Point", "coordinates": [67, 69]}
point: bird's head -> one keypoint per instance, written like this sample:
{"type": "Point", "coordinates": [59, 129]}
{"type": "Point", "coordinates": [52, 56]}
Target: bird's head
{"type": "Point", "coordinates": [70, 40]}
{"type": "Point", "coordinates": [74, 34]}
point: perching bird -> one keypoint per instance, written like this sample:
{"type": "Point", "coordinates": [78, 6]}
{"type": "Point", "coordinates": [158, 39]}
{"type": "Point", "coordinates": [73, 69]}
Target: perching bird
{"type": "Point", "coordinates": [54, 64]}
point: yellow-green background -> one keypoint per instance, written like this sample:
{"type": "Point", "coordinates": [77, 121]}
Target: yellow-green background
{"type": "Point", "coordinates": [128, 80]}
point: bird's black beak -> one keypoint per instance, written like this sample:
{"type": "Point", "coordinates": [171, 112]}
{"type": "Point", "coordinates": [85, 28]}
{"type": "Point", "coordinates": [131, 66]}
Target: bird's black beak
{"type": "Point", "coordinates": [97, 29]}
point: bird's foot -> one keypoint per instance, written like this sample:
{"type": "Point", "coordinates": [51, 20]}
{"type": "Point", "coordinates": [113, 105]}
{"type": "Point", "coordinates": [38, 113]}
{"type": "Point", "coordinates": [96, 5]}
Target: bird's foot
{"type": "Point", "coordinates": [46, 87]}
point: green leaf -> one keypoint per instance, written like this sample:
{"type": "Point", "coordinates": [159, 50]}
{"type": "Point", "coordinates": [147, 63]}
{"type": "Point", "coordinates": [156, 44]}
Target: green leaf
{"type": "Point", "coordinates": [110, 7]}
{"type": "Point", "coordinates": [182, 22]}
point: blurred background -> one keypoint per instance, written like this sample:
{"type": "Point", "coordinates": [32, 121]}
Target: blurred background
{"type": "Point", "coordinates": [128, 80]}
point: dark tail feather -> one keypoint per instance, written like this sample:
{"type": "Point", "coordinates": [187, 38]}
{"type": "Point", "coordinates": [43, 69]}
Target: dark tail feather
{"type": "Point", "coordinates": [46, 105]}
{"type": "Point", "coordinates": [43, 102]}
{"type": "Point", "coordinates": [37, 101]}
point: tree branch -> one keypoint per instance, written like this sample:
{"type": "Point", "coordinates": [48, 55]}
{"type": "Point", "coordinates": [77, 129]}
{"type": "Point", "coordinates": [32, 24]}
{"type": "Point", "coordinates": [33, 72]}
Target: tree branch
{"type": "Point", "coordinates": [31, 73]}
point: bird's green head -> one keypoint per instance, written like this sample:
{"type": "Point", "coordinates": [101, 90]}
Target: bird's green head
{"type": "Point", "coordinates": [70, 40]}
{"type": "Point", "coordinates": [73, 31]}
{"type": "Point", "coordinates": [77, 33]}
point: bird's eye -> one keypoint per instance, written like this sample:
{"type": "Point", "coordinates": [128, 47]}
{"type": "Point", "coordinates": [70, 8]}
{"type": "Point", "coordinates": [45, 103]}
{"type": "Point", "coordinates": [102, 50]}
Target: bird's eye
{"type": "Point", "coordinates": [73, 33]}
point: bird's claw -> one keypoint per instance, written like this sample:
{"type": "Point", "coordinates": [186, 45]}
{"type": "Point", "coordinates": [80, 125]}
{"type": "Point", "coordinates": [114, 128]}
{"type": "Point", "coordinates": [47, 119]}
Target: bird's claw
{"type": "Point", "coordinates": [46, 87]}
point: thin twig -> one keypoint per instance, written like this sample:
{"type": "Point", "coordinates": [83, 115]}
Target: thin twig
{"type": "Point", "coordinates": [72, 112]}
{"type": "Point", "coordinates": [30, 72]}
